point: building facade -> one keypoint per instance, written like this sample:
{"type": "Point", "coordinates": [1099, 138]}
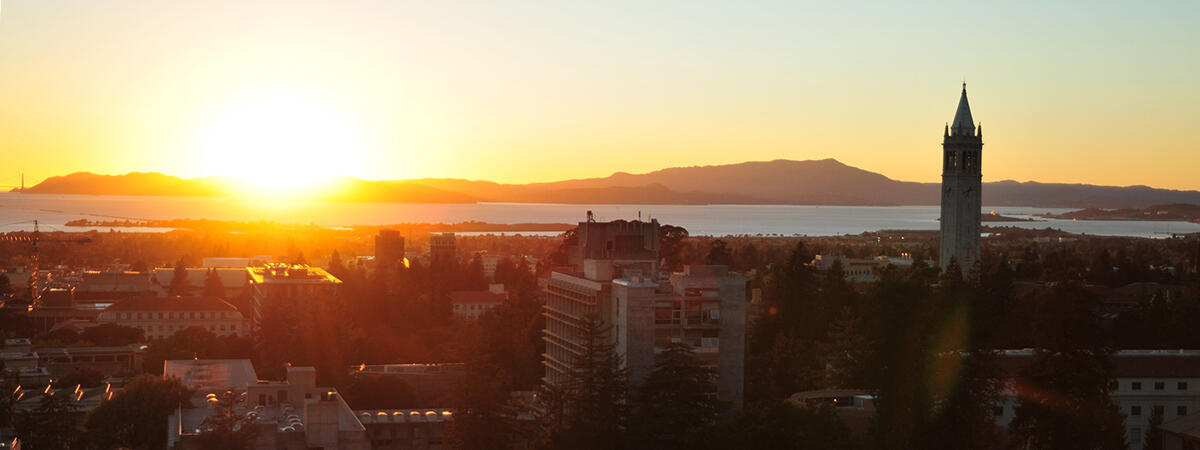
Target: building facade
{"type": "Point", "coordinates": [389, 249]}
{"type": "Point", "coordinates": [616, 281]}
{"type": "Point", "coordinates": [1143, 381]}
{"type": "Point", "coordinates": [160, 317]}
{"type": "Point", "coordinates": [443, 248]}
{"type": "Point", "coordinates": [279, 281]}
{"type": "Point", "coordinates": [962, 182]}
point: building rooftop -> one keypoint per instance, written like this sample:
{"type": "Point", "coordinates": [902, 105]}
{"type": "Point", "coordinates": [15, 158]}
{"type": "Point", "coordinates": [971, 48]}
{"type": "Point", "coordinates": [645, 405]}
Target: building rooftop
{"type": "Point", "coordinates": [172, 304]}
{"type": "Point", "coordinates": [378, 416]}
{"type": "Point", "coordinates": [212, 374]}
{"type": "Point", "coordinates": [477, 297]}
{"type": "Point", "coordinates": [294, 273]}
{"type": "Point", "coordinates": [1126, 363]}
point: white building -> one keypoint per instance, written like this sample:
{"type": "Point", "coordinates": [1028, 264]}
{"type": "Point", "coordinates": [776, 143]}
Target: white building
{"type": "Point", "coordinates": [1145, 380]}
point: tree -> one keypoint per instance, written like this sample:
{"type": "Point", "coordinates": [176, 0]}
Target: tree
{"type": "Point", "coordinates": [671, 245]}
{"type": "Point", "coordinates": [225, 428]}
{"type": "Point", "coordinates": [213, 286]}
{"type": "Point", "coordinates": [137, 415]}
{"type": "Point", "coordinates": [780, 425]}
{"type": "Point", "coordinates": [179, 280]}
{"type": "Point", "coordinates": [1154, 440]}
{"type": "Point", "coordinates": [367, 391]}
{"type": "Point", "coordinates": [674, 401]}
{"type": "Point", "coordinates": [194, 342]}
{"type": "Point", "coordinates": [6, 289]}
{"type": "Point", "coordinates": [83, 376]}
{"type": "Point", "coordinates": [719, 254]}
{"type": "Point", "coordinates": [51, 425]}
{"type": "Point", "coordinates": [593, 404]}
{"type": "Point", "coordinates": [1065, 402]}
{"type": "Point", "coordinates": [111, 334]}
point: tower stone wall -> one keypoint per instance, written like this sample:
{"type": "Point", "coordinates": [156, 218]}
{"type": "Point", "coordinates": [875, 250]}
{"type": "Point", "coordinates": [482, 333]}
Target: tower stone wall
{"type": "Point", "coordinates": [962, 182]}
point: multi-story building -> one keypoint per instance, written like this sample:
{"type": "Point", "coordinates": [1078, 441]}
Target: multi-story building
{"type": "Point", "coordinates": [1144, 381]}
{"type": "Point", "coordinates": [443, 248]}
{"type": "Point", "coordinates": [160, 317]}
{"type": "Point", "coordinates": [618, 284]}
{"type": "Point", "coordinates": [296, 413]}
{"type": "Point", "coordinates": [389, 249]}
{"type": "Point", "coordinates": [279, 281]}
{"type": "Point", "coordinates": [472, 304]}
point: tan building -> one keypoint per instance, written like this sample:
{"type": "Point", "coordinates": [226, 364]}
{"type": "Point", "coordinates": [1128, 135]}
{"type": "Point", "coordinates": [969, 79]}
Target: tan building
{"type": "Point", "coordinates": [279, 281]}
{"type": "Point", "coordinates": [160, 317]}
{"type": "Point", "coordinates": [472, 304]}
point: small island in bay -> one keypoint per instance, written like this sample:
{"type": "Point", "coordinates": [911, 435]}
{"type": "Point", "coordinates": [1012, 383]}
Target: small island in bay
{"type": "Point", "coordinates": [1170, 212]}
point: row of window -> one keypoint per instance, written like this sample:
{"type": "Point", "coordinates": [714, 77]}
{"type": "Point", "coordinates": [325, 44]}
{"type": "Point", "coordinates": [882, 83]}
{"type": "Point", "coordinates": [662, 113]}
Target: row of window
{"type": "Point", "coordinates": [174, 328]}
{"type": "Point", "coordinates": [1158, 385]}
{"type": "Point", "coordinates": [1136, 410]}
{"type": "Point", "coordinates": [172, 315]}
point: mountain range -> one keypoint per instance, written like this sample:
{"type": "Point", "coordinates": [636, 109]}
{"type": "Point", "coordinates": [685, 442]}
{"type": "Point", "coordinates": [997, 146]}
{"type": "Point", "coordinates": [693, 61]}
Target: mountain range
{"type": "Point", "coordinates": [812, 182]}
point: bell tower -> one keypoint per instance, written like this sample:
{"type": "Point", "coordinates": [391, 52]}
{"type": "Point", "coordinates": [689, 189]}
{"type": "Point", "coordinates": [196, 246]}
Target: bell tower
{"type": "Point", "coordinates": [962, 179]}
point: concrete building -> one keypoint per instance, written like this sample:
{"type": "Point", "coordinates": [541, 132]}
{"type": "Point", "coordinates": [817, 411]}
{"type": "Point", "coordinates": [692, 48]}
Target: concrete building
{"type": "Point", "coordinates": [279, 281]}
{"type": "Point", "coordinates": [389, 249]}
{"type": "Point", "coordinates": [860, 270]}
{"type": "Point", "coordinates": [406, 429]}
{"type": "Point", "coordinates": [703, 306]}
{"type": "Point", "coordinates": [1144, 380]}
{"type": "Point", "coordinates": [443, 248]}
{"type": "Point", "coordinates": [962, 182]}
{"type": "Point", "coordinates": [160, 317]}
{"type": "Point", "coordinates": [289, 414]}
{"type": "Point", "coordinates": [472, 304]}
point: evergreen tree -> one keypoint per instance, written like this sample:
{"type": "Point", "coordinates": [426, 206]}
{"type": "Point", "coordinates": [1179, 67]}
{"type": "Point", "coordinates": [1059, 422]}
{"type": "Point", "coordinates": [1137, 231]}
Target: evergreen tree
{"type": "Point", "coordinates": [337, 268]}
{"type": "Point", "coordinates": [779, 425]}
{"type": "Point", "coordinates": [594, 395]}
{"type": "Point", "coordinates": [213, 286]}
{"type": "Point", "coordinates": [1066, 403]}
{"type": "Point", "coordinates": [179, 280]}
{"type": "Point", "coordinates": [1153, 440]}
{"type": "Point", "coordinates": [6, 289]}
{"type": "Point", "coordinates": [674, 401]}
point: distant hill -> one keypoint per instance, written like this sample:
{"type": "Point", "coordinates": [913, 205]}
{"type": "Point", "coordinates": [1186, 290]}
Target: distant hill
{"type": "Point", "coordinates": [814, 182]}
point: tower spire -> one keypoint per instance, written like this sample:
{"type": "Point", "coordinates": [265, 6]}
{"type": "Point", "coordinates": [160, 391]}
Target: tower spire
{"type": "Point", "coordinates": [963, 125]}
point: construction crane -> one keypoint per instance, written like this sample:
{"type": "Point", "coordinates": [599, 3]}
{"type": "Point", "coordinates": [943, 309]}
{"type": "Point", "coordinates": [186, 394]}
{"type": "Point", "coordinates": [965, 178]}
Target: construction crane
{"type": "Point", "coordinates": [36, 238]}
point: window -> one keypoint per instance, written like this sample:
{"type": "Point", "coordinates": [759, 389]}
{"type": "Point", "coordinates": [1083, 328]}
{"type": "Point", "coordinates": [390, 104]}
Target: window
{"type": "Point", "coordinates": [1181, 411]}
{"type": "Point", "coordinates": [1182, 385]}
{"type": "Point", "coordinates": [1135, 410]}
{"type": "Point", "coordinates": [951, 160]}
{"type": "Point", "coordinates": [1158, 385]}
{"type": "Point", "coordinates": [1158, 409]}
{"type": "Point", "coordinates": [1136, 385]}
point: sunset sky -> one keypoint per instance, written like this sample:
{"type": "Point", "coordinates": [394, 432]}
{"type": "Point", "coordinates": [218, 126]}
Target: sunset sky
{"type": "Point", "coordinates": [526, 91]}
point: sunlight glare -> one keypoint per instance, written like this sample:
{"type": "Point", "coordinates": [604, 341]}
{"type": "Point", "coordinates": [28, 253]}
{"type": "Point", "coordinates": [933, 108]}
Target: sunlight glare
{"type": "Point", "coordinates": [282, 146]}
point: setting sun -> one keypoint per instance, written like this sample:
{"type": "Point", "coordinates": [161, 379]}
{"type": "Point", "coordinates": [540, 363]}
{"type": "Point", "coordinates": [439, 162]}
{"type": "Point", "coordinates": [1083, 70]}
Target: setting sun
{"type": "Point", "coordinates": [280, 145]}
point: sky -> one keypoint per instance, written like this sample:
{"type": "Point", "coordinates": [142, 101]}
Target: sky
{"type": "Point", "coordinates": [525, 91]}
